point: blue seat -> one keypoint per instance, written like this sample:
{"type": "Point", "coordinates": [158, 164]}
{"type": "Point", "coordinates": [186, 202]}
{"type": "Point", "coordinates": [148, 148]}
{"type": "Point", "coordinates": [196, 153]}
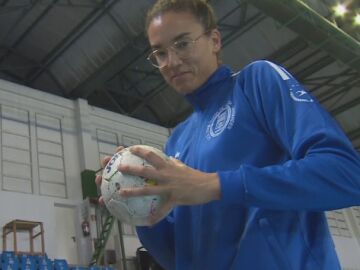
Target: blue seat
{"type": "Point", "coordinates": [10, 265]}
{"type": "Point", "coordinates": [28, 267]}
{"type": "Point", "coordinates": [27, 262]}
{"type": "Point", "coordinates": [6, 255]}
{"type": "Point", "coordinates": [61, 264]}
{"type": "Point", "coordinates": [45, 267]}
{"type": "Point", "coordinates": [43, 263]}
{"type": "Point", "coordinates": [95, 268]}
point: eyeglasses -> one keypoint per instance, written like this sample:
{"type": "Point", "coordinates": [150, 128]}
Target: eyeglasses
{"type": "Point", "coordinates": [183, 49]}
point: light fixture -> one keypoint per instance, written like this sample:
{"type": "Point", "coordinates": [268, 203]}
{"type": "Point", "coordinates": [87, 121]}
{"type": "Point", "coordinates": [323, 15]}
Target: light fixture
{"type": "Point", "coordinates": [340, 10]}
{"type": "Point", "coordinates": [357, 19]}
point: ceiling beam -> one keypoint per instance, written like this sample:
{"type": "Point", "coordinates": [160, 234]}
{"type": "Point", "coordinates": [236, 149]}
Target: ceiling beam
{"type": "Point", "coordinates": [12, 75]}
{"type": "Point", "coordinates": [34, 64]}
{"type": "Point", "coordinates": [354, 134]}
{"type": "Point", "coordinates": [25, 33]}
{"type": "Point", "coordinates": [289, 50]}
{"type": "Point", "coordinates": [314, 67]}
{"type": "Point", "coordinates": [75, 33]}
{"type": "Point", "coordinates": [10, 50]}
{"type": "Point", "coordinates": [300, 18]}
{"type": "Point", "coordinates": [242, 28]}
{"type": "Point", "coordinates": [20, 17]}
{"type": "Point", "coordinates": [149, 96]}
{"type": "Point", "coordinates": [113, 101]}
{"type": "Point", "coordinates": [134, 83]}
{"type": "Point", "coordinates": [120, 62]}
{"type": "Point", "coordinates": [346, 106]}
{"type": "Point", "coordinates": [336, 90]}
{"type": "Point", "coordinates": [321, 81]}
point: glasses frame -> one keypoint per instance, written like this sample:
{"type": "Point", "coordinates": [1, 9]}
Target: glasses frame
{"type": "Point", "coordinates": [171, 46]}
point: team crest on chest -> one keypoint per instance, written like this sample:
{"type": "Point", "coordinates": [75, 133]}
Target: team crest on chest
{"type": "Point", "coordinates": [222, 119]}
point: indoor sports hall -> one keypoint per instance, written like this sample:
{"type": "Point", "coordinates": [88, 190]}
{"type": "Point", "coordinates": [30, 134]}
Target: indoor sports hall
{"type": "Point", "coordinates": [78, 78]}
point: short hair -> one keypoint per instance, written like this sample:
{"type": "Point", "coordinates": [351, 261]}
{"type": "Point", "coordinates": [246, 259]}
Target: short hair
{"type": "Point", "coordinates": [202, 10]}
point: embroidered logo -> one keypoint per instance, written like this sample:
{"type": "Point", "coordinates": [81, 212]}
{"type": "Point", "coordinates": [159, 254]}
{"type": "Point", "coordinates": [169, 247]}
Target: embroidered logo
{"type": "Point", "coordinates": [297, 93]}
{"type": "Point", "coordinates": [223, 119]}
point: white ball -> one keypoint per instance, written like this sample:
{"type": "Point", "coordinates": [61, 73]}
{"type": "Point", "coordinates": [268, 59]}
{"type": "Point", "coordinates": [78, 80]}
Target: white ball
{"type": "Point", "coordinates": [134, 210]}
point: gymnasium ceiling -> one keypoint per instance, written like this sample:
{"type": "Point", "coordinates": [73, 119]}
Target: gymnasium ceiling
{"type": "Point", "coordinates": [96, 50]}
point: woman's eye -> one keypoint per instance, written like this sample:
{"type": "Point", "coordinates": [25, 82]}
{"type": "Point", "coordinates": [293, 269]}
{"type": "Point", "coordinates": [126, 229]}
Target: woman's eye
{"type": "Point", "coordinates": [183, 44]}
{"type": "Point", "coordinates": [161, 54]}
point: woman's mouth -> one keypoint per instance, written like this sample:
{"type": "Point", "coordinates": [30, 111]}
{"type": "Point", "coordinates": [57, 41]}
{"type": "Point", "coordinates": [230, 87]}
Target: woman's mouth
{"type": "Point", "coordinates": [179, 76]}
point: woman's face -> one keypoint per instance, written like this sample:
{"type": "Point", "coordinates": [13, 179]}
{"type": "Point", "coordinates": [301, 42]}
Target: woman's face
{"type": "Point", "coordinates": [185, 70]}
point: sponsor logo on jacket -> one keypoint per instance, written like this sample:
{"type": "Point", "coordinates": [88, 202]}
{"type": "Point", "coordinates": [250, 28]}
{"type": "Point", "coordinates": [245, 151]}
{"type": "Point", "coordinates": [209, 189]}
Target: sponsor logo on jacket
{"type": "Point", "coordinates": [297, 93]}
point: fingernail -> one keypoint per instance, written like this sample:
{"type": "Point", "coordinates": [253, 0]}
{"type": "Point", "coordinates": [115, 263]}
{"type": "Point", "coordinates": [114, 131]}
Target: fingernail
{"type": "Point", "coordinates": [133, 148]}
{"type": "Point", "coordinates": [123, 192]}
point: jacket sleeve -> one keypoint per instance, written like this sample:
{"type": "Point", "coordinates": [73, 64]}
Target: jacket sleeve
{"type": "Point", "coordinates": [323, 169]}
{"type": "Point", "coordinates": [159, 241]}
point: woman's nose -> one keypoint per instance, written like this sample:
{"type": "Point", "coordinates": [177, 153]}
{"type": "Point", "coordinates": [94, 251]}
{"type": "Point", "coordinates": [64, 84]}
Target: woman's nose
{"type": "Point", "coordinates": [173, 59]}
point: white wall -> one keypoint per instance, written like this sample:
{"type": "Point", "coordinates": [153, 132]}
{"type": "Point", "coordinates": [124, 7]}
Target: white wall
{"type": "Point", "coordinates": [28, 207]}
{"type": "Point", "coordinates": [45, 143]}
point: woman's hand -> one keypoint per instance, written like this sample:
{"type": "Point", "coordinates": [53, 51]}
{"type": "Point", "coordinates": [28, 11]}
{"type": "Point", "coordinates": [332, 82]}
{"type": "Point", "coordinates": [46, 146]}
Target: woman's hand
{"type": "Point", "coordinates": [180, 184]}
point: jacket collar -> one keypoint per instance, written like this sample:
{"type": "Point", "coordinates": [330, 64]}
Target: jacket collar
{"type": "Point", "coordinates": [210, 89]}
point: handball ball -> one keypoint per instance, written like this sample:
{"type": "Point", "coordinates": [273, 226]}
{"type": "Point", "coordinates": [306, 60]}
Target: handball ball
{"type": "Point", "coordinates": [132, 210]}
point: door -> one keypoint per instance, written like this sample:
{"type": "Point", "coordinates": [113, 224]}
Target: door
{"type": "Point", "coordinates": [65, 232]}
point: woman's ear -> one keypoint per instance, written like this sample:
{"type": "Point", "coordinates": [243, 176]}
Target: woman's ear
{"type": "Point", "coordinates": [216, 38]}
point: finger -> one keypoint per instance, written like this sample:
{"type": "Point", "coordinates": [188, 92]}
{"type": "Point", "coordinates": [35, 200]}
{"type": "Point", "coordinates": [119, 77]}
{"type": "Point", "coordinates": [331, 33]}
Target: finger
{"type": "Point", "coordinates": [160, 213]}
{"type": "Point", "coordinates": [149, 173]}
{"type": "Point", "coordinates": [105, 161]}
{"type": "Point", "coordinates": [150, 156]}
{"type": "Point", "coordinates": [146, 172]}
{"type": "Point", "coordinates": [119, 148]}
{"type": "Point", "coordinates": [101, 200]}
{"type": "Point", "coordinates": [98, 180]}
{"type": "Point", "coordinates": [176, 161]}
{"type": "Point", "coordinates": [142, 191]}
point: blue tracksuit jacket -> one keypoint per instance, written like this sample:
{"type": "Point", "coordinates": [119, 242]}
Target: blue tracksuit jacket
{"type": "Point", "coordinates": [281, 159]}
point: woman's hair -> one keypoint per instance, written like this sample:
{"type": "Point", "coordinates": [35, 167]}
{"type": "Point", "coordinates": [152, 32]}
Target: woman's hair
{"type": "Point", "coordinates": [199, 8]}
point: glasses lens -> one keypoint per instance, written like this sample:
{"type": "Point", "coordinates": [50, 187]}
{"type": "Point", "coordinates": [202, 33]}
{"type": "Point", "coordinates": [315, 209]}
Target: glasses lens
{"type": "Point", "coordinates": [183, 47]}
{"type": "Point", "coordinates": [152, 60]}
{"type": "Point", "coordinates": [158, 58]}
